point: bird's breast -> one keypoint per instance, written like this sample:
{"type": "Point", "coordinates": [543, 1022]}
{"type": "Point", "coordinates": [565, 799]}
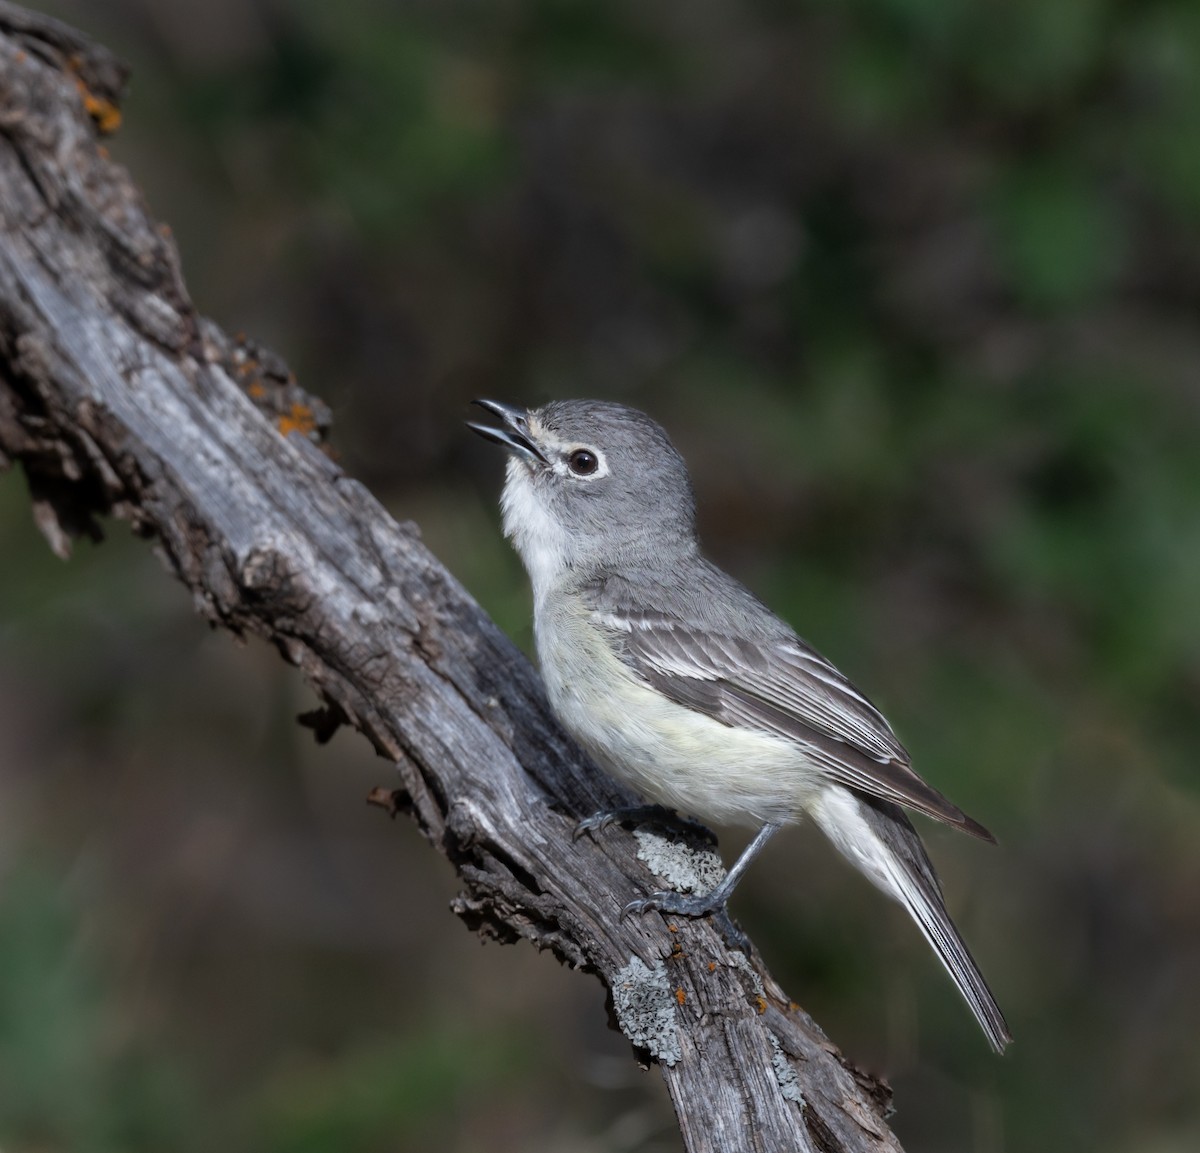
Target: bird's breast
{"type": "Point", "coordinates": [669, 753]}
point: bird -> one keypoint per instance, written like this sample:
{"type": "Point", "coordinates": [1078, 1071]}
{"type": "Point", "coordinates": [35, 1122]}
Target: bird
{"type": "Point", "coordinates": [679, 681]}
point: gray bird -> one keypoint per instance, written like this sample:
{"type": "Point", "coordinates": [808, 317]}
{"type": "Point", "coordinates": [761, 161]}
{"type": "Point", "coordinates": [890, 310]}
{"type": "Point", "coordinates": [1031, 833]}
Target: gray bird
{"type": "Point", "coordinates": [678, 680]}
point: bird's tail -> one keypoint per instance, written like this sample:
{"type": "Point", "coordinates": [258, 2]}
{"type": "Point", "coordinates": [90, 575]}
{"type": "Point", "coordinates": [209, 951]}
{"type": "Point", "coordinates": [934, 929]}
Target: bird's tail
{"type": "Point", "coordinates": [878, 839]}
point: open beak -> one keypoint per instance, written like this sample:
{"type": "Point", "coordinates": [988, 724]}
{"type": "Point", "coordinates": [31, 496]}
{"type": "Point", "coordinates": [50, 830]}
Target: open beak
{"type": "Point", "coordinates": [514, 433]}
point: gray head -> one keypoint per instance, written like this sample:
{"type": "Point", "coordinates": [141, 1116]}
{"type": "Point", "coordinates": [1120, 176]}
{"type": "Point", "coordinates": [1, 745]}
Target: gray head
{"type": "Point", "coordinates": [591, 485]}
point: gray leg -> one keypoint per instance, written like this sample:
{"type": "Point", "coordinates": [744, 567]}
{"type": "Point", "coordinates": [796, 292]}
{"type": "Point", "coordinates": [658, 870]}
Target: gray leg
{"type": "Point", "coordinates": [712, 902]}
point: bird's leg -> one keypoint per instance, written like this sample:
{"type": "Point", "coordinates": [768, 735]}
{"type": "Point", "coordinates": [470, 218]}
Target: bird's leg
{"type": "Point", "coordinates": [642, 815]}
{"type": "Point", "coordinates": [699, 905]}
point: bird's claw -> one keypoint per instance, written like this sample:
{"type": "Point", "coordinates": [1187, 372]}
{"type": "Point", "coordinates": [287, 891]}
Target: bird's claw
{"type": "Point", "coordinates": [641, 905]}
{"type": "Point", "coordinates": [643, 814]}
{"type": "Point", "coordinates": [675, 903]}
{"type": "Point", "coordinates": [595, 823]}
{"type": "Point", "coordinates": [695, 906]}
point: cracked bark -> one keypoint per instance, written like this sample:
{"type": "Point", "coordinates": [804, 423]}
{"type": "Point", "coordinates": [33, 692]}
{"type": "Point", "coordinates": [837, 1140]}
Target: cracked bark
{"type": "Point", "coordinates": [118, 399]}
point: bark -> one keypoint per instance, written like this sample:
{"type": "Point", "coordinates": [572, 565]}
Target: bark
{"type": "Point", "coordinates": [118, 399]}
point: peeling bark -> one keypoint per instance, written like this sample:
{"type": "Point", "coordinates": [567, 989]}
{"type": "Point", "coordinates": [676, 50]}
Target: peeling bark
{"type": "Point", "coordinates": [118, 399]}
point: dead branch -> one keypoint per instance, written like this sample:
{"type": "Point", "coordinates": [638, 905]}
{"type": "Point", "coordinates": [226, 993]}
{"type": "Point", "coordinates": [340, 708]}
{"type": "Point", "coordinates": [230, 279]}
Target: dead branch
{"type": "Point", "coordinates": [119, 400]}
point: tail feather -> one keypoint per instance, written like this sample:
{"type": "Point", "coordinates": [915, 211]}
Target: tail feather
{"type": "Point", "coordinates": [935, 924]}
{"type": "Point", "coordinates": [881, 842]}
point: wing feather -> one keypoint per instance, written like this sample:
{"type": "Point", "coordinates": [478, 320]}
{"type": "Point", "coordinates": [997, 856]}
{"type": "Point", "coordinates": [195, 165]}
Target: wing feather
{"type": "Point", "coordinates": [780, 685]}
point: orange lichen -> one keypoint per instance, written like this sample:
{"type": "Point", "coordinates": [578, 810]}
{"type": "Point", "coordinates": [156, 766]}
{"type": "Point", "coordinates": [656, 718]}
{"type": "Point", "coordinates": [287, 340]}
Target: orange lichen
{"type": "Point", "coordinates": [299, 418]}
{"type": "Point", "coordinates": [712, 966]}
{"type": "Point", "coordinates": [105, 113]}
{"type": "Point", "coordinates": [680, 995]}
{"type": "Point", "coordinates": [761, 1003]}
{"type": "Point", "coordinates": [256, 389]}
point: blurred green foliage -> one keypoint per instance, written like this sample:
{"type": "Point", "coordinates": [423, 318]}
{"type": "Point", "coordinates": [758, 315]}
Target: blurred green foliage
{"type": "Point", "coordinates": [74, 1076]}
{"type": "Point", "coordinates": [407, 1087]}
{"type": "Point", "coordinates": [914, 285]}
{"type": "Point", "coordinates": [68, 1077]}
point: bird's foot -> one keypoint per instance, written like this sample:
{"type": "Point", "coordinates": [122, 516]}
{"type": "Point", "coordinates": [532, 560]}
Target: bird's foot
{"type": "Point", "coordinates": [731, 931]}
{"type": "Point", "coordinates": [644, 815]}
{"type": "Point", "coordinates": [700, 905]}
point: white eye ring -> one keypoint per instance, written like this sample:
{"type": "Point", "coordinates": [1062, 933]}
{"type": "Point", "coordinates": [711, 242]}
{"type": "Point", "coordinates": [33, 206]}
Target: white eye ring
{"type": "Point", "coordinates": [582, 462]}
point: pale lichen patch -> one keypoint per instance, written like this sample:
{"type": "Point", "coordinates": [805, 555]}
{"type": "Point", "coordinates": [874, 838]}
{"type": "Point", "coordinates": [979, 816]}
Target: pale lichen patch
{"type": "Point", "coordinates": [685, 869]}
{"type": "Point", "coordinates": [785, 1073]}
{"type": "Point", "coordinates": [646, 1009]}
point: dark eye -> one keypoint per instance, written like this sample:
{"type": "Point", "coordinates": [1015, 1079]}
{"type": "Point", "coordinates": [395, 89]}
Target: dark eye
{"type": "Point", "coordinates": [583, 463]}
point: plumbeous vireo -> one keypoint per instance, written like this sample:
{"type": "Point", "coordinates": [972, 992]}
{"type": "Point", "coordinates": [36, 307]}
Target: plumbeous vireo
{"type": "Point", "coordinates": [675, 678]}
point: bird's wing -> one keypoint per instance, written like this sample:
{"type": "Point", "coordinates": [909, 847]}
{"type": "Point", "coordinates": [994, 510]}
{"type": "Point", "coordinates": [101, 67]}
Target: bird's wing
{"type": "Point", "coordinates": [779, 685]}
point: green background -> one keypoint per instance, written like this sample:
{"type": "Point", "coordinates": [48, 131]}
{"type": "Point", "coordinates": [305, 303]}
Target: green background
{"type": "Point", "coordinates": [915, 286]}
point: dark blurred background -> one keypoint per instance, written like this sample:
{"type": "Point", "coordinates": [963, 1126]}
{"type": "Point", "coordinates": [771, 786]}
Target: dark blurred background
{"type": "Point", "coordinates": [915, 285]}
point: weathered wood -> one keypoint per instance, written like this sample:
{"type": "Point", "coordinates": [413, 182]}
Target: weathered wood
{"type": "Point", "coordinates": [119, 400]}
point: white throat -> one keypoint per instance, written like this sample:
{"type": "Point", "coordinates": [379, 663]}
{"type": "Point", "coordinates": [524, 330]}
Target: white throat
{"type": "Point", "coordinates": [536, 535]}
